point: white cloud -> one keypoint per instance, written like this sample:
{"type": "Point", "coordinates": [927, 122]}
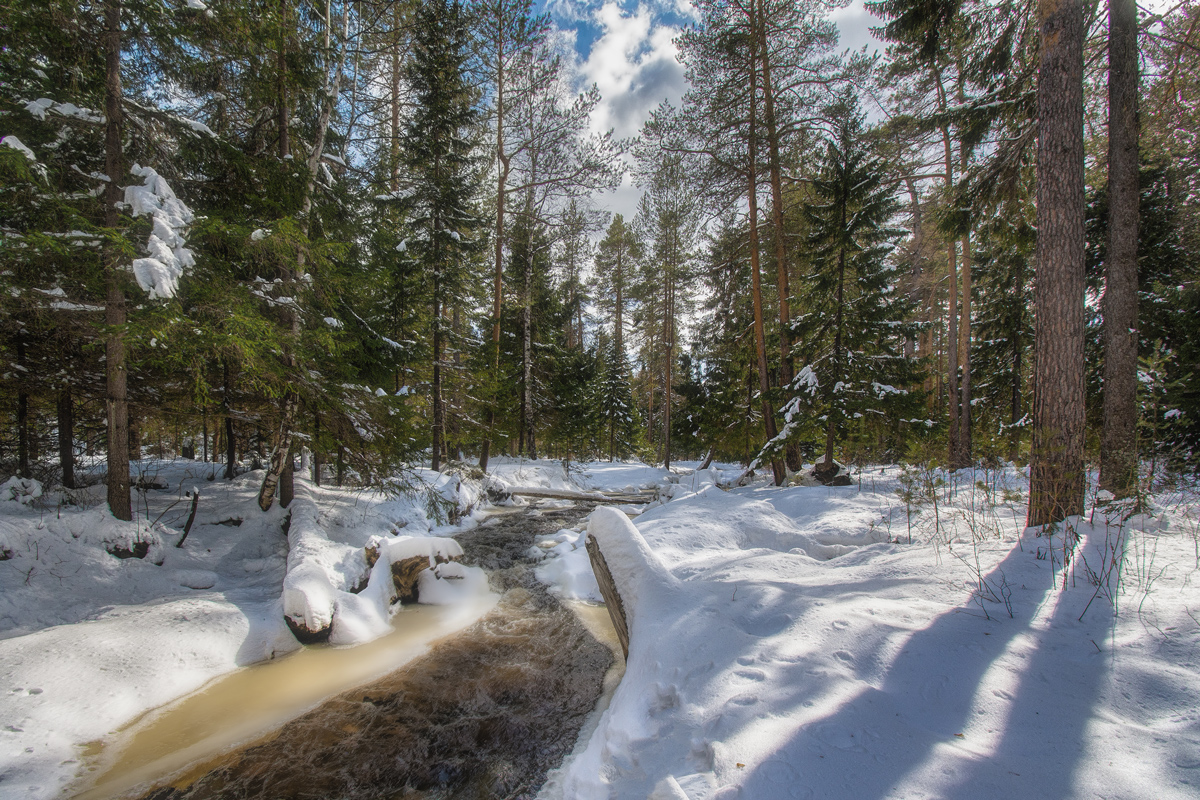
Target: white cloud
{"type": "Point", "coordinates": [854, 23]}
{"type": "Point", "coordinates": [633, 64]}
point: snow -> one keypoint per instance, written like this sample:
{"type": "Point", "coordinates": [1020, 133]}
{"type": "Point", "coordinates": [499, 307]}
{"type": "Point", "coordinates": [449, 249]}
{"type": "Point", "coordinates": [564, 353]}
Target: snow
{"type": "Point", "coordinates": [42, 106]}
{"type": "Point", "coordinates": [158, 274]}
{"type": "Point", "coordinates": [784, 644]}
{"type": "Point", "coordinates": [19, 146]}
{"type": "Point", "coordinates": [89, 642]}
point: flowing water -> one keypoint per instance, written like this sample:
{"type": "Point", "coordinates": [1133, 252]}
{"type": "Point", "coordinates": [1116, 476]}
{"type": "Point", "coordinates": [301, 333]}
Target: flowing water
{"type": "Point", "coordinates": [483, 713]}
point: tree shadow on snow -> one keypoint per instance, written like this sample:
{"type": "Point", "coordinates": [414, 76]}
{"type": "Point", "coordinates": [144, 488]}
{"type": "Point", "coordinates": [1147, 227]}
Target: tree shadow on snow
{"type": "Point", "coordinates": [930, 731]}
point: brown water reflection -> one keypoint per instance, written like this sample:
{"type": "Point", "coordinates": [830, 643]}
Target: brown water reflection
{"type": "Point", "coordinates": [484, 714]}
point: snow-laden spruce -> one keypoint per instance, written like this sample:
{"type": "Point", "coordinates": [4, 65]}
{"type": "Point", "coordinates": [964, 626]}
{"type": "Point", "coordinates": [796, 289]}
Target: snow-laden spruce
{"type": "Point", "coordinates": [167, 258]}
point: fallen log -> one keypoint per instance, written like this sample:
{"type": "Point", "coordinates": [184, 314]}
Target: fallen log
{"type": "Point", "coordinates": [608, 590]}
{"type": "Point", "coordinates": [587, 497]}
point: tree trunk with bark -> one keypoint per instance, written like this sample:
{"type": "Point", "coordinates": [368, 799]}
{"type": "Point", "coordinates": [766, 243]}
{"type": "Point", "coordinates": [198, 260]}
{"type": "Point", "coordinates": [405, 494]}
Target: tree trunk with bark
{"type": "Point", "coordinates": [498, 246]}
{"type": "Point", "coordinates": [66, 436]}
{"type": "Point", "coordinates": [22, 411]}
{"type": "Point", "coordinates": [760, 345]}
{"type": "Point", "coordinates": [1118, 442]}
{"type": "Point", "coordinates": [963, 459]}
{"type": "Point", "coordinates": [115, 391]}
{"type": "Point", "coordinates": [1056, 485]}
{"type": "Point", "coordinates": [775, 169]}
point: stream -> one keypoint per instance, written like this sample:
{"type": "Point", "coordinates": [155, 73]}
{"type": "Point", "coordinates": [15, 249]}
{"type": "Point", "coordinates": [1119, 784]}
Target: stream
{"type": "Point", "coordinates": [483, 712]}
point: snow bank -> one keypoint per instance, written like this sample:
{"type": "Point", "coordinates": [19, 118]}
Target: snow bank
{"type": "Point", "coordinates": [317, 570]}
{"type": "Point", "coordinates": [762, 667]}
{"type": "Point", "coordinates": [331, 590]}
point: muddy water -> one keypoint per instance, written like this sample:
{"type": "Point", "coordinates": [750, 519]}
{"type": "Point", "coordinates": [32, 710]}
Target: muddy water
{"type": "Point", "coordinates": [484, 714]}
{"type": "Point", "coordinates": [251, 702]}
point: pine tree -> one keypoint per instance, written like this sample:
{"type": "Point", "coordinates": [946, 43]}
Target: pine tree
{"type": "Point", "coordinates": [1056, 483]}
{"type": "Point", "coordinates": [614, 267]}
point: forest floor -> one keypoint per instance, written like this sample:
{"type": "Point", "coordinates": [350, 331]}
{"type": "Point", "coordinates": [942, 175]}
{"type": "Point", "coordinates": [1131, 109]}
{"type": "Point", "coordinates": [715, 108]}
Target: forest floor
{"type": "Point", "coordinates": [797, 642]}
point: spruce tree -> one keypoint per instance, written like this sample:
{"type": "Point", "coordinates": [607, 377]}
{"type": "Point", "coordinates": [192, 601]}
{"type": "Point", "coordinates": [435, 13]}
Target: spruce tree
{"type": "Point", "coordinates": [443, 176]}
{"type": "Point", "coordinates": [854, 329]}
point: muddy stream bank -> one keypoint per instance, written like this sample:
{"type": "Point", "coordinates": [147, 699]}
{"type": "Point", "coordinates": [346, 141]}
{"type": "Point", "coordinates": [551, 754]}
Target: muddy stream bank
{"type": "Point", "coordinates": [485, 713]}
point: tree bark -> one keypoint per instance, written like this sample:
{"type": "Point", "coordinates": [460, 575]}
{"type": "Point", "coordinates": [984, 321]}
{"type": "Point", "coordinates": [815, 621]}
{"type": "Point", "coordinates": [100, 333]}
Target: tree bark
{"type": "Point", "coordinates": [786, 366]}
{"type": "Point", "coordinates": [115, 391]}
{"type": "Point", "coordinates": [318, 459]}
{"type": "Point", "coordinates": [66, 436]}
{"type": "Point", "coordinates": [527, 445]}
{"type": "Point", "coordinates": [287, 482]}
{"type": "Point", "coordinates": [439, 408]}
{"type": "Point", "coordinates": [230, 442]}
{"type": "Point", "coordinates": [498, 245]}
{"type": "Point", "coordinates": [1056, 485]}
{"type": "Point", "coordinates": [669, 334]}
{"type": "Point", "coordinates": [760, 346]}
{"type": "Point", "coordinates": [837, 357]}
{"type": "Point", "coordinates": [953, 454]}
{"type": "Point", "coordinates": [22, 411]}
{"type": "Point", "coordinates": [964, 359]}
{"type": "Point", "coordinates": [1118, 442]}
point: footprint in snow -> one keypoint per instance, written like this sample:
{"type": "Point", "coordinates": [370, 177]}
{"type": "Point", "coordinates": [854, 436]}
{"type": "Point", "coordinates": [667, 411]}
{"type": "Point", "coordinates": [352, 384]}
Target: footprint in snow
{"type": "Point", "coordinates": [765, 625]}
{"type": "Point", "coordinates": [751, 674]}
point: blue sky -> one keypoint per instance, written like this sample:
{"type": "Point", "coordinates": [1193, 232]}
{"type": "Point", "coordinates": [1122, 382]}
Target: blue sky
{"type": "Point", "coordinates": [625, 47]}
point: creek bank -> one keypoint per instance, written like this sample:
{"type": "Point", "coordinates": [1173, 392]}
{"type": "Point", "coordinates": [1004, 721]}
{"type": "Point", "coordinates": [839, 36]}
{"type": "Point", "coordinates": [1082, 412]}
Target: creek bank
{"type": "Point", "coordinates": [486, 713]}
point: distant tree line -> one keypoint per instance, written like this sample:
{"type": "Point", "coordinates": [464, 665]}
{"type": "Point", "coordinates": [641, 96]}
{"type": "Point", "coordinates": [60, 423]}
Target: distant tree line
{"type": "Point", "coordinates": [367, 231]}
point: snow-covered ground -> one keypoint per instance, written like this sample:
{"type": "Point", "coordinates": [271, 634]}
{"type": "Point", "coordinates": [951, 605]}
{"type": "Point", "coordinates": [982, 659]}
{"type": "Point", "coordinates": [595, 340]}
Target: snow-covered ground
{"type": "Point", "coordinates": [88, 641]}
{"type": "Point", "coordinates": [785, 642]}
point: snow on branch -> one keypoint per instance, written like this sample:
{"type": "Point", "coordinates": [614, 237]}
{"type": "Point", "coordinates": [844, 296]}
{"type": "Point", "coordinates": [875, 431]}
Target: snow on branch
{"type": "Point", "coordinates": [158, 274]}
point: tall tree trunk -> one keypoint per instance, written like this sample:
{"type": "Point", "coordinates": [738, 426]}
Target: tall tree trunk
{"type": "Point", "coordinates": [1118, 442]}
{"type": "Point", "coordinates": [527, 344]}
{"type": "Point", "coordinates": [498, 246]}
{"type": "Point", "coordinates": [66, 436]}
{"type": "Point", "coordinates": [830, 428]}
{"type": "Point", "coordinates": [287, 482]}
{"type": "Point", "coordinates": [1056, 484]}
{"type": "Point", "coordinates": [760, 345]}
{"type": "Point", "coordinates": [439, 409]}
{"type": "Point", "coordinates": [953, 448]}
{"type": "Point", "coordinates": [669, 333]}
{"type": "Point", "coordinates": [230, 441]}
{"type": "Point", "coordinates": [786, 366]}
{"type": "Point", "coordinates": [963, 459]}
{"type": "Point", "coordinates": [204, 433]}
{"type": "Point", "coordinates": [115, 390]}
{"type": "Point", "coordinates": [318, 459]}
{"type": "Point", "coordinates": [22, 411]}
